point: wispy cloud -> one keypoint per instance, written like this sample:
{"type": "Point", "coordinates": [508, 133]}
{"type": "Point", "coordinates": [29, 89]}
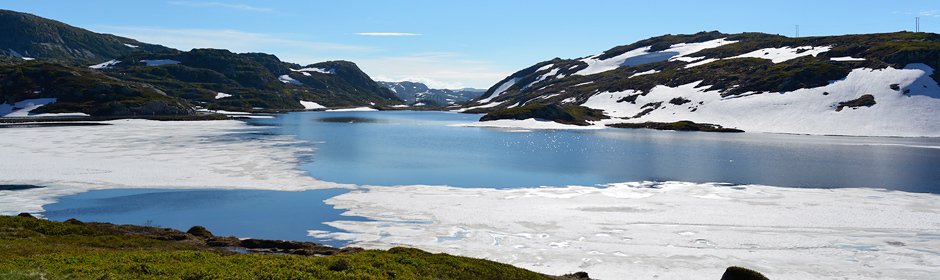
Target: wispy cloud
{"type": "Point", "coordinates": [284, 46]}
{"type": "Point", "coordinates": [233, 6]}
{"type": "Point", "coordinates": [930, 13]}
{"type": "Point", "coordinates": [391, 34]}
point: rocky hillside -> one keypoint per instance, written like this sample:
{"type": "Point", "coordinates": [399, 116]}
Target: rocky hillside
{"type": "Point", "coordinates": [26, 36]}
{"type": "Point", "coordinates": [419, 94]}
{"type": "Point", "coordinates": [871, 84]}
{"type": "Point", "coordinates": [102, 69]}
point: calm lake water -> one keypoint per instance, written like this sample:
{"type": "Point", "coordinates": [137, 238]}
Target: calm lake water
{"type": "Point", "coordinates": [407, 148]}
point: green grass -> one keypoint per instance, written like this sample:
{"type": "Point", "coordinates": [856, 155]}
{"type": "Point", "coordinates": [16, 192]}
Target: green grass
{"type": "Point", "coordinates": [38, 249]}
{"type": "Point", "coordinates": [576, 115]}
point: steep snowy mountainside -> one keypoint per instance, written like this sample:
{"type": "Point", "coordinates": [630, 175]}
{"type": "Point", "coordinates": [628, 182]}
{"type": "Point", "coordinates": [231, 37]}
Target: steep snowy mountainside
{"type": "Point", "coordinates": [870, 84]}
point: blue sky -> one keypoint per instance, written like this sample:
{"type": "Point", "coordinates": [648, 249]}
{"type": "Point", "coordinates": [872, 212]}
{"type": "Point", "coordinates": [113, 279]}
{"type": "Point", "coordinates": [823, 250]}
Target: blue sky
{"type": "Point", "coordinates": [461, 43]}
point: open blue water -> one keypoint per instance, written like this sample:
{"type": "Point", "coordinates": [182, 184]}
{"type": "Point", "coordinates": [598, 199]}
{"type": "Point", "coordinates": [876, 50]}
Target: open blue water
{"type": "Point", "coordinates": [406, 148]}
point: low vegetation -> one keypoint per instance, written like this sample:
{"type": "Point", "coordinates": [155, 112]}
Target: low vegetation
{"type": "Point", "coordinates": [678, 126]}
{"type": "Point", "coordinates": [576, 115]}
{"type": "Point", "coordinates": [32, 248]}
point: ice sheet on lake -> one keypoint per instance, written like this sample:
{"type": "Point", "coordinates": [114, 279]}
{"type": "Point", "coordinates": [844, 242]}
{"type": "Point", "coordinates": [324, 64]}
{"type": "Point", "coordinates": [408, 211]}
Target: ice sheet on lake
{"type": "Point", "coordinates": [146, 154]}
{"type": "Point", "coordinates": [669, 230]}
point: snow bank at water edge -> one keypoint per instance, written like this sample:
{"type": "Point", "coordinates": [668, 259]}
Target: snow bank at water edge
{"type": "Point", "coordinates": [23, 109]}
{"type": "Point", "coordinates": [648, 230]}
{"type": "Point", "coordinates": [526, 124]}
{"type": "Point", "coordinates": [357, 109]}
{"type": "Point", "coordinates": [146, 154]}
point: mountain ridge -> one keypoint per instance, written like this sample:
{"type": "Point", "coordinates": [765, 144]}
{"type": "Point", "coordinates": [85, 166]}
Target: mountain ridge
{"type": "Point", "coordinates": [750, 81]}
{"type": "Point", "coordinates": [205, 79]}
{"type": "Point", "coordinates": [417, 93]}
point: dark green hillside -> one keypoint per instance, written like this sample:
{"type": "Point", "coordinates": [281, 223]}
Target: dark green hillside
{"type": "Point", "coordinates": [85, 91]}
{"type": "Point", "coordinates": [251, 79]}
{"type": "Point", "coordinates": [36, 37]}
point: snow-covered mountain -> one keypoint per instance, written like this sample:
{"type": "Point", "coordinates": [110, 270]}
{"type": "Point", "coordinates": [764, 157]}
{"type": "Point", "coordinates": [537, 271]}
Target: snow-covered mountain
{"type": "Point", "coordinates": [871, 84]}
{"type": "Point", "coordinates": [415, 93]}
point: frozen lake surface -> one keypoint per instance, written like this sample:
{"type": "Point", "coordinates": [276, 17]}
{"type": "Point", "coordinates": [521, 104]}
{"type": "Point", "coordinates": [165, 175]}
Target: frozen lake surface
{"type": "Point", "coordinates": [651, 204]}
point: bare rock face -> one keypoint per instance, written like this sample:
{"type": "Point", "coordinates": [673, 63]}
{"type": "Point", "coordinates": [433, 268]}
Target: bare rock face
{"type": "Point", "coordinates": [740, 273]}
{"type": "Point", "coordinates": [864, 101]}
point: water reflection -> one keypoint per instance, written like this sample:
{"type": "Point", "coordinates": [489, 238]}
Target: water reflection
{"type": "Point", "coordinates": [408, 148]}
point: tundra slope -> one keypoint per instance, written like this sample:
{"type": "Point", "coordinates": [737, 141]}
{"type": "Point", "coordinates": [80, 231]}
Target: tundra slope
{"type": "Point", "coordinates": [870, 84]}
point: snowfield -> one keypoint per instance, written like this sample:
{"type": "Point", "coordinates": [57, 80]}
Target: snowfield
{"type": "Point", "coordinates": [221, 95]}
{"type": "Point", "coordinates": [499, 90]}
{"type": "Point", "coordinates": [778, 55]}
{"type": "Point", "coordinates": [145, 154]}
{"type": "Point", "coordinates": [643, 55]}
{"type": "Point", "coordinates": [310, 105]}
{"type": "Point", "coordinates": [105, 65]}
{"type": "Point", "coordinates": [647, 230]}
{"type": "Point", "coordinates": [907, 104]}
{"type": "Point", "coordinates": [308, 70]}
{"type": "Point", "coordinates": [23, 109]}
{"type": "Point", "coordinates": [288, 80]}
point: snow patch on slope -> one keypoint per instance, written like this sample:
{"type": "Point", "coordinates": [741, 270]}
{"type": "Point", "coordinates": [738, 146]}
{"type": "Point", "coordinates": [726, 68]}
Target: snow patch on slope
{"type": "Point", "coordinates": [654, 71]}
{"type": "Point", "coordinates": [288, 80]}
{"type": "Point", "coordinates": [23, 108]}
{"type": "Point", "coordinates": [805, 111]}
{"type": "Point", "coordinates": [778, 55]}
{"type": "Point", "coordinates": [500, 90]}
{"type": "Point", "coordinates": [105, 65]}
{"type": "Point", "coordinates": [846, 58]}
{"type": "Point", "coordinates": [308, 70]}
{"type": "Point", "coordinates": [310, 105]}
{"type": "Point", "coordinates": [643, 56]}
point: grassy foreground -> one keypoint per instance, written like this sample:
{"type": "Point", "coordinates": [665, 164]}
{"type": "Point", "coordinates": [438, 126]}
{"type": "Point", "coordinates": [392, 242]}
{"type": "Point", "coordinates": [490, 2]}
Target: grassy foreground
{"type": "Point", "coordinates": [32, 248]}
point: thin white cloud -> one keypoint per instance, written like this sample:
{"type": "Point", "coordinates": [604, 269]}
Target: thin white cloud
{"type": "Point", "coordinates": [930, 13]}
{"type": "Point", "coordinates": [234, 40]}
{"type": "Point", "coordinates": [233, 6]}
{"type": "Point", "coordinates": [390, 34]}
